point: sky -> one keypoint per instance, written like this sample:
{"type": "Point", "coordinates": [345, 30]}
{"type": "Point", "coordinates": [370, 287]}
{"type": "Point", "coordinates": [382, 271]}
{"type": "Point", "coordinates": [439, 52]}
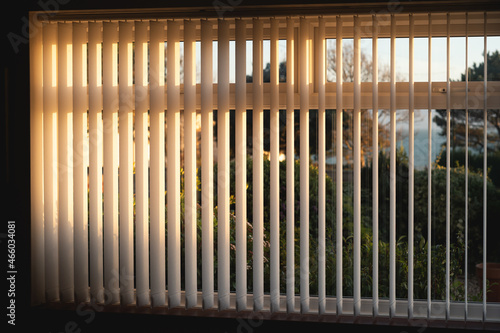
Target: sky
{"type": "Point", "coordinates": [438, 60]}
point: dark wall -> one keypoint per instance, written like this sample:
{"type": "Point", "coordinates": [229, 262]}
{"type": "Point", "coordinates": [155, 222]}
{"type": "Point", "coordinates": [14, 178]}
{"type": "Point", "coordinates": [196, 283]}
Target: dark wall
{"type": "Point", "coordinates": [14, 151]}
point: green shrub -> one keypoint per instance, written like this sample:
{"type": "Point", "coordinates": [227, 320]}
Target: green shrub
{"type": "Point", "coordinates": [438, 249]}
{"type": "Point", "coordinates": [476, 162]}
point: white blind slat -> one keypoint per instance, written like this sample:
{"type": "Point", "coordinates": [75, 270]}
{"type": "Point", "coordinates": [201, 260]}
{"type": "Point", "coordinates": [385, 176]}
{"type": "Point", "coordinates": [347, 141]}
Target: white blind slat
{"type": "Point", "coordinates": [485, 164]}
{"type": "Point", "coordinates": [304, 165]}
{"type": "Point", "coordinates": [321, 53]}
{"type": "Point", "coordinates": [190, 214]}
{"type": "Point", "coordinates": [110, 161]}
{"type": "Point", "coordinates": [466, 222]}
{"type": "Point", "coordinates": [375, 180]}
{"type": "Point", "coordinates": [207, 139]}
{"type": "Point", "coordinates": [357, 170]}
{"type": "Point", "coordinates": [392, 176]}
{"type": "Point", "coordinates": [65, 163]}
{"type": "Point", "coordinates": [95, 162]}
{"type": "Point", "coordinates": [411, 169]}
{"type": "Point", "coordinates": [141, 163]}
{"type": "Point", "coordinates": [274, 168]}
{"type": "Point", "coordinates": [485, 211]}
{"type": "Point", "coordinates": [157, 161]}
{"type": "Point", "coordinates": [448, 166]}
{"type": "Point", "coordinates": [80, 161]}
{"type": "Point", "coordinates": [173, 167]}
{"type": "Point", "coordinates": [223, 181]}
{"type": "Point", "coordinates": [290, 166]}
{"type": "Point", "coordinates": [258, 166]}
{"type": "Point", "coordinates": [339, 164]}
{"type": "Point", "coordinates": [126, 186]}
{"type": "Point", "coordinates": [50, 112]}
{"type": "Point", "coordinates": [241, 162]}
{"type": "Point", "coordinates": [429, 168]}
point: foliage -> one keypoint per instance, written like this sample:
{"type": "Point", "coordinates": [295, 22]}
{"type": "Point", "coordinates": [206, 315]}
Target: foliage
{"type": "Point", "coordinates": [438, 248]}
{"type": "Point", "coordinates": [457, 208]}
{"type": "Point", "coordinates": [476, 117]}
{"type": "Point", "coordinates": [438, 267]}
{"type": "Point", "coordinates": [476, 162]}
{"type": "Point", "coordinates": [438, 204]}
{"type": "Point", "coordinates": [384, 193]}
{"type": "Point", "coordinates": [476, 71]}
{"type": "Point", "coordinates": [475, 130]}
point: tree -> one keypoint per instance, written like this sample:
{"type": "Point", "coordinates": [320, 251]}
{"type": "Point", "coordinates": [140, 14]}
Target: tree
{"type": "Point", "coordinates": [476, 72]}
{"type": "Point", "coordinates": [281, 70]}
{"type": "Point", "coordinates": [366, 117]}
{"type": "Point", "coordinates": [384, 73]}
{"type": "Point", "coordinates": [476, 117]}
{"type": "Point", "coordinates": [348, 65]}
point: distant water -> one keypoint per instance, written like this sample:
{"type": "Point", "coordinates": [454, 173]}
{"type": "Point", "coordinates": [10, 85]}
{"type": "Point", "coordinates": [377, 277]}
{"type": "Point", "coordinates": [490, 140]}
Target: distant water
{"type": "Point", "coordinates": [421, 145]}
{"type": "Point", "coordinates": [402, 138]}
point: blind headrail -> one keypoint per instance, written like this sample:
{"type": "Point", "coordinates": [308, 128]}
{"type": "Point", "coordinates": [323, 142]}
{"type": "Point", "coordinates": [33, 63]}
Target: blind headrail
{"type": "Point", "coordinates": [215, 11]}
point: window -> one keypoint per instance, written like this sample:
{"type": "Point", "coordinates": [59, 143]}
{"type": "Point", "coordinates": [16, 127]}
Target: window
{"type": "Point", "coordinates": [156, 191]}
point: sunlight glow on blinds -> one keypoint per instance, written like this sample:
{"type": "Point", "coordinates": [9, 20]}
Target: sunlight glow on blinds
{"type": "Point", "coordinates": [152, 191]}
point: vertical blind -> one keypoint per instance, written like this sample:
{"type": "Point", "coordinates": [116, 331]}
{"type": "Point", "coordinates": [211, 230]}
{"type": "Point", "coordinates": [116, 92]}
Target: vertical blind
{"type": "Point", "coordinates": [106, 206]}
